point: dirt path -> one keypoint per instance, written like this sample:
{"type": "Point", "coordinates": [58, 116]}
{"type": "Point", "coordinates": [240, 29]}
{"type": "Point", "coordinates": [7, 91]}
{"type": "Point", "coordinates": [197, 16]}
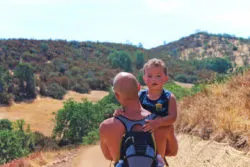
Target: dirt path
{"type": "Point", "coordinates": [185, 85]}
{"type": "Point", "coordinates": [193, 152]}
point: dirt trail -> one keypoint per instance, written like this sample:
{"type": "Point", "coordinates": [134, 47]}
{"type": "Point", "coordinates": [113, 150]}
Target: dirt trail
{"type": "Point", "coordinates": [193, 152]}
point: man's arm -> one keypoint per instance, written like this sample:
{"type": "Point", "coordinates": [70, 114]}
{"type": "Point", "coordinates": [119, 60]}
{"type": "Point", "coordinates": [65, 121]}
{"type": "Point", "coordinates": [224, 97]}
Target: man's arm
{"type": "Point", "coordinates": [103, 144]}
{"type": "Point", "coordinates": [111, 132]}
{"type": "Point", "coordinates": [172, 113]}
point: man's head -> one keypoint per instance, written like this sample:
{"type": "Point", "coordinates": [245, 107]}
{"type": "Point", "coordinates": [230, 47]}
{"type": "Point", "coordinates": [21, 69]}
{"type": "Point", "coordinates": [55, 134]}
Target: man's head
{"type": "Point", "coordinates": [125, 86]}
{"type": "Point", "coordinates": [155, 74]}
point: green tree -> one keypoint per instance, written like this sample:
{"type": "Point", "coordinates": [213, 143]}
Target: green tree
{"type": "Point", "coordinates": [120, 59]}
{"type": "Point", "coordinates": [139, 59]}
{"type": "Point", "coordinates": [44, 47]}
{"type": "Point", "coordinates": [77, 122]}
{"type": "Point", "coordinates": [74, 121]}
{"type": "Point", "coordinates": [220, 65]}
{"type": "Point", "coordinates": [25, 73]}
{"type": "Point", "coordinates": [5, 83]}
{"type": "Point", "coordinates": [55, 90]}
{"type": "Point", "coordinates": [140, 78]}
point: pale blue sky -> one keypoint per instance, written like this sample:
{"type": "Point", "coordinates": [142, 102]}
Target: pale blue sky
{"type": "Point", "coordinates": [147, 21]}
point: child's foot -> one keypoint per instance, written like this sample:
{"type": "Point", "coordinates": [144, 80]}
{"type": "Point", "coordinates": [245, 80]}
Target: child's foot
{"type": "Point", "coordinates": [160, 161]}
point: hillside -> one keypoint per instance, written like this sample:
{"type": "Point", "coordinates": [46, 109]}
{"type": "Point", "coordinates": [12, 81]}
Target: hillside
{"type": "Point", "coordinates": [31, 67]}
{"type": "Point", "coordinates": [203, 45]}
{"type": "Point", "coordinates": [220, 112]}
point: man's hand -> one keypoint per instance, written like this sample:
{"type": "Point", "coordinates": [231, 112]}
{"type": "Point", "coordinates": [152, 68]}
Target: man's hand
{"type": "Point", "coordinates": [151, 125]}
{"type": "Point", "coordinates": [118, 112]}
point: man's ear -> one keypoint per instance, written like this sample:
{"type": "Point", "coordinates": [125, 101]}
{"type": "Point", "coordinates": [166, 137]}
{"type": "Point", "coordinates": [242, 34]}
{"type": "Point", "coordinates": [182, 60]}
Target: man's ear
{"type": "Point", "coordinates": [139, 86]}
{"type": "Point", "coordinates": [166, 78]}
{"type": "Point", "coordinates": [117, 95]}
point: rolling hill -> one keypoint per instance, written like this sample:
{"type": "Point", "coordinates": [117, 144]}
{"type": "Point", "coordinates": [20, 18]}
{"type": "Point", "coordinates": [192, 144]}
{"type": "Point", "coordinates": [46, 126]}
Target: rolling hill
{"type": "Point", "coordinates": [51, 67]}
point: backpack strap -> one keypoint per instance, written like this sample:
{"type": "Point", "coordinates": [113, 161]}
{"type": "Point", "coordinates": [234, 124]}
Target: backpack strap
{"type": "Point", "coordinates": [129, 124]}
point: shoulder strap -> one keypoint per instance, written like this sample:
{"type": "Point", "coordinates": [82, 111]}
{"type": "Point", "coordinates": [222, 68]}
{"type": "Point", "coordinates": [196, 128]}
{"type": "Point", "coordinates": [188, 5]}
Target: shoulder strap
{"type": "Point", "coordinates": [128, 124]}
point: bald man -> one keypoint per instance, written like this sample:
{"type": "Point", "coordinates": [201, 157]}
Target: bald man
{"type": "Point", "coordinates": [126, 89]}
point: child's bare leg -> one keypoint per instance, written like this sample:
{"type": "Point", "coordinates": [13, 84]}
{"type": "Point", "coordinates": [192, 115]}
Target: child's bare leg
{"type": "Point", "coordinates": [172, 143]}
{"type": "Point", "coordinates": [160, 136]}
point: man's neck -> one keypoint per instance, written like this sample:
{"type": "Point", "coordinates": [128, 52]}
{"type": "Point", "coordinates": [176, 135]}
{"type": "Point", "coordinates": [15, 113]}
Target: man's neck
{"type": "Point", "coordinates": [133, 110]}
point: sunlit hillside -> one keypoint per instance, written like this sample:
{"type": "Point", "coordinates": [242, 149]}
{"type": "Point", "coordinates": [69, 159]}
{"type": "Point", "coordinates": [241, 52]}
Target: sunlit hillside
{"type": "Point", "coordinates": [39, 112]}
{"type": "Point", "coordinates": [220, 112]}
{"type": "Point", "coordinates": [53, 67]}
{"type": "Point", "coordinates": [204, 45]}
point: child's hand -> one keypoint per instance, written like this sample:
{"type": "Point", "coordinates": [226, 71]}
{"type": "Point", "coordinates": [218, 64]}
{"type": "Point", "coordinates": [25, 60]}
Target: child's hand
{"type": "Point", "coordinates": [151, 125]}
{"type": "Point", "coordinates": [118, 112]}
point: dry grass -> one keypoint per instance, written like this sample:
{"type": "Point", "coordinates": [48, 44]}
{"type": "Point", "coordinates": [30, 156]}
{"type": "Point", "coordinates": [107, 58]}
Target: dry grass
{"type": "Point", "coordinates": [43, 158]}
{"type": "Point", "coordinates": [221, 110]}
{"type": "Point", "coordinates": [39, 112]}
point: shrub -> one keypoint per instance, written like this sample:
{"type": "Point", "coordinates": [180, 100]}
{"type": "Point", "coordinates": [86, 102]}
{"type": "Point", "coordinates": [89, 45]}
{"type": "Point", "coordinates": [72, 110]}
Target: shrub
{"type": "Point", "coordinates": [220, 65]}
{"type": "Point", "coordinates": [5, 98]}
{"type": "Point", "coordinates": [56, 91]}
{"type": "Point", "coordinates": [81, 88]}
{"type": "Point", "coordinates": [109, 99]}
{"type": "Point", "coordinates": [217, 64]}
{"type": "Point", "coordinates": [221, 78]}
{"type": "Point", "coordinates": [181, 78]}
{"type": "Point", "coordinates": [197, 88]}
{"type": "Point", "coordinates": [235, 48]}
{"type": "Point", "coordinates": [12, 145]}
{"type": "Point", "coordinates": [78, 122]}
{"type": "Point", "coordinates": [74, 121]}
{"type": "Point", "coordinates": [177, 90]}
{"type": "Point", "coordinates": [15, 143]}
{"type": "Point", "coordinates": [140, 78]}
{"type": "Point", "coordinates": [91, 137]}
{"type": "Point", "coordinates": [5, 124]}
{"type": "Point", "coordinates": [44, 47]}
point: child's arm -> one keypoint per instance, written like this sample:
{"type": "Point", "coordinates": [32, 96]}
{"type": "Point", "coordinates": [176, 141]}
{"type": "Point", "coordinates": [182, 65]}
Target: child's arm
{"type": "Point", "coordinates": [151, 125]}
{"type": "Point", "coordinates": [172, 113]}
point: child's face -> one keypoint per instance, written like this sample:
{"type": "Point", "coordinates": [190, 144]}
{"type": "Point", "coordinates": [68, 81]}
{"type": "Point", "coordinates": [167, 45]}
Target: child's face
{"type": "Point", "coordinates": [155, 78]}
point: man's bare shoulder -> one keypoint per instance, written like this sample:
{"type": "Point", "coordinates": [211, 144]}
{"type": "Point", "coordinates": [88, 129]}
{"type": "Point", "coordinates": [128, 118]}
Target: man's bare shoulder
{"type": "Point", "coordinates": [111, 124]}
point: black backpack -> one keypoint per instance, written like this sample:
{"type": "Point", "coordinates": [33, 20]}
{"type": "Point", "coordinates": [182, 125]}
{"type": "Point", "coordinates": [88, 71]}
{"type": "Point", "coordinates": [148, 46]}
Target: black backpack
{"type": "Point", "coordinates": [138, 148]}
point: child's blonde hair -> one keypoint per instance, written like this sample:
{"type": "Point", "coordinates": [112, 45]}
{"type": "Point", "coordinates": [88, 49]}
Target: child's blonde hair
{"type": "Point", "coordinates": [155, 63]}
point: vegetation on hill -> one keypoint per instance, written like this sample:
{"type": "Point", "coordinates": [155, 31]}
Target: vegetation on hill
{"type": "Point", "coordinates": [50, 68]}
{"type": "Point", "coordinates": [206, 45]}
